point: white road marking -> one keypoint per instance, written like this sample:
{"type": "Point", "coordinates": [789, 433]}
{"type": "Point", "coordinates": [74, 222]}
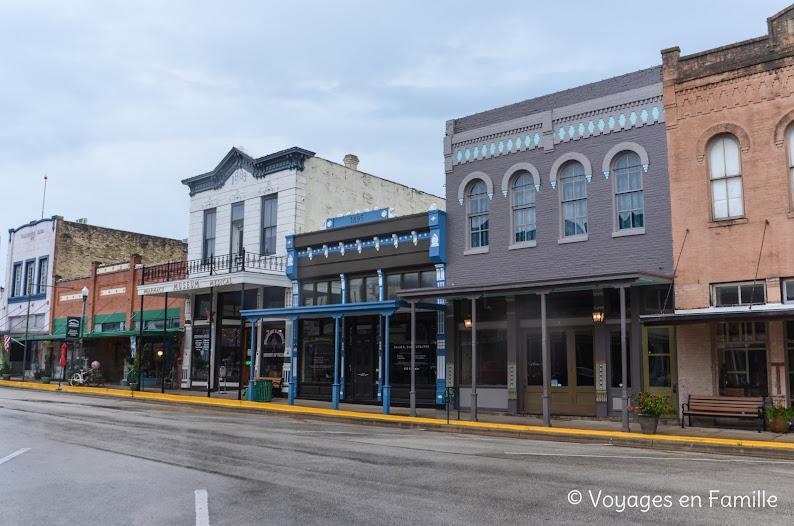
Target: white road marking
{"type": "Point", "coordinates": [14, 454]}
{"type": "Point", "coordinates": [202, 509]}
{"type": "Point", "coordinates": [688, 459]}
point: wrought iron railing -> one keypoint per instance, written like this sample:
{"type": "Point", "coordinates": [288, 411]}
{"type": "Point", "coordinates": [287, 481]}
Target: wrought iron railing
{"type": "Point", "coordinates": [213, 265]}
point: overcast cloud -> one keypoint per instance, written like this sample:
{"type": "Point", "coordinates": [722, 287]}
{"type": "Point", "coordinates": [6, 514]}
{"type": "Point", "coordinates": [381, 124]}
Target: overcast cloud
{"type": "Point", "coordinates": [117, 102]}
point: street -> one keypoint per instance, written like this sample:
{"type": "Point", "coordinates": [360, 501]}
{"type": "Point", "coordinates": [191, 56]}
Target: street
{"type": "Point", "coordinates": [79, 459]}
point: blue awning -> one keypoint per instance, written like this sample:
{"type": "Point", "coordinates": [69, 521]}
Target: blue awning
{"type": "Point", "coordinates": [338, 310]}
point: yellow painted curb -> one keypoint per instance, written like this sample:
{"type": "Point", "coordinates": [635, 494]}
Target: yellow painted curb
{"type": "Point", "coordinates": [412, 420]}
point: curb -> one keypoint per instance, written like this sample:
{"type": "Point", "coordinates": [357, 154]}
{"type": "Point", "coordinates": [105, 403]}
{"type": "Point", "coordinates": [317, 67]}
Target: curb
{"type": "Point", "coordinates": [755, 448]}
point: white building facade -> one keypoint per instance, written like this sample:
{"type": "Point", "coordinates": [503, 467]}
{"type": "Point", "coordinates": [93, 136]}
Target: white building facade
{"type": "Point", "coordinates": [240, 215]}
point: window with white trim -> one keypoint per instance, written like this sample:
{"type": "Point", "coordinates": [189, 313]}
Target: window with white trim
{"type": "Point", "coordinates": [524, 222]}
{"type": "Point", "coordinates": [788, 293]}
{"type": "Point", "coordinates": [628, 191]}
{"type": "Point", "coordinates": [733, 294]}
{"type": "Point", "coordinates": [478, 215]}
{"type": "Point", "coordinates": [573, 190]}
{"type": "Point", "coordinates": [725, 173]}
{"type": "Point", "coordinates": [269, 223]}
{"type": "Point", "coordinates": [791, 163]}
{"type": "Point", "coordinates": [42, 286]}
{"type": "Point", "coordinates": [208, 245]}
{"type": "Point", "coordinates": [16, 287]}
{"type": "Point", "coordinates": [29, 275]}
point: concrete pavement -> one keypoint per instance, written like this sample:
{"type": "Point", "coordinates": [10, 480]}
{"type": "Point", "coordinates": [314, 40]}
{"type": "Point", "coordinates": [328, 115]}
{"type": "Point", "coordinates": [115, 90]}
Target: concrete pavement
{"type": "Point", "coordinates": [670, 435]}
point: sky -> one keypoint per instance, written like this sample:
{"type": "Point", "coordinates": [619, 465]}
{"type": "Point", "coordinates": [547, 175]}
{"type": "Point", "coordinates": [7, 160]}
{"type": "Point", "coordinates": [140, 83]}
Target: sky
{"type": "Point", "coordinates": [117, 102]}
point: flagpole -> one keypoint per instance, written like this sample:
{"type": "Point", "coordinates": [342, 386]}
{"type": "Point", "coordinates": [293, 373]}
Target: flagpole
{"type": "Point", "coordinates": [44, 197]}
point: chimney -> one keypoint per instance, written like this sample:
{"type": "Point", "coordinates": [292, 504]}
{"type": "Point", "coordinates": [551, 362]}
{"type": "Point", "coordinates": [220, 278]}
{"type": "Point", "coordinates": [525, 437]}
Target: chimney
{"type": "Point", "coordinates": [351, 161]}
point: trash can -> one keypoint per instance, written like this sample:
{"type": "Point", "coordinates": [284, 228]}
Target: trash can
{"type": "Point", "coordinates": [263, 390]}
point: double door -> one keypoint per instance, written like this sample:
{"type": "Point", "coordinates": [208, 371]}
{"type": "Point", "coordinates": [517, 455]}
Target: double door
{"type": "Point", "coordinates": [571, 372]}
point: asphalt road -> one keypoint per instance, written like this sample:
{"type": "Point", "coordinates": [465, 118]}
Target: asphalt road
{"type": "Point", "coordinates": [76, 459]}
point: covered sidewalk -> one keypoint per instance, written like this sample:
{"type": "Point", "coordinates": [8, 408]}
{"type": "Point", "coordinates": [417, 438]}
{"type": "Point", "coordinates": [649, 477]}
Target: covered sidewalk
{"type": "Point", "coordinates": [385, 308]}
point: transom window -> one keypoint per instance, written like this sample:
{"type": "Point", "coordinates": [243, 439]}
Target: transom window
{"type": "Point", "coordinates": [478, 215]}
{"type": "Point", "coordinates": [628, 191]}
{"type": "Point", "coordinates": [725, 172]}
{"type": "Point", "coordinates": [573, 186]}
{"type": "Point", "coordinates": [524, 208]}
{"type": "Point", "coordinates": [732, 294]}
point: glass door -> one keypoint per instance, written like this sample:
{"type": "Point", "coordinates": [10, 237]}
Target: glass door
{"type": "Point", "coordinates": [658, 344]}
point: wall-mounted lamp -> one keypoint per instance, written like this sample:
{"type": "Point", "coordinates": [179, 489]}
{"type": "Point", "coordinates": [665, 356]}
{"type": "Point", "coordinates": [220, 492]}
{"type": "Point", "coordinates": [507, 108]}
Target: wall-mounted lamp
{"type": "Point", "coordinates": [598, 305]}
{"type": "Point", "coordinates": [598, 316]}
{"type": "Point", "coordinates": [467, 323]}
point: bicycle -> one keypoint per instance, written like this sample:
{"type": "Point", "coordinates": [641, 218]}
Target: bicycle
{"type": "Point", "coordinates": [84, 377]}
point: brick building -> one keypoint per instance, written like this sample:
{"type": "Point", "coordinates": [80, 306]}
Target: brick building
{"type": "Point", "coordinates": [44, 251]}
{"type": "Point", "coordinates": [112, 331]}
{"type": "Point", "coordinates": [730, 138]}
{"type": "Point", "coordinates": [562, 208]}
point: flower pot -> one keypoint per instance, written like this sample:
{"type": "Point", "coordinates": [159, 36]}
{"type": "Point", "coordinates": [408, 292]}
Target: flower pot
{"type": "Point", "coordinates": [135, 386]}
{"type": "Point", "coordinates": [6, 377]}
{"type": "Point", "coordinates": [648, 423]}
{"type": "Point", "coordinates": [779, 425]}
{"type": "Point", "coordinates": [45, 379]}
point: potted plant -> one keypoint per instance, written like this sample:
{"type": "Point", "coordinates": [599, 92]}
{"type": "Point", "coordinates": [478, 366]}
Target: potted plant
{"type": "Point", "coordinates": [779, 417]}
{"type": "Point", "coordinates": [47, 375]}
{"type": "Point", "coordinates": [132, 376]}
{"type": "Point", "coordinates": [649, 408]}
{"type": "Point", "coordinates": [5, 365]}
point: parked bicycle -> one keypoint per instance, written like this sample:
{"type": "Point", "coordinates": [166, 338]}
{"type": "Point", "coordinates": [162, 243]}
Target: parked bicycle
{"type": "Point", "coordinates": [87, 377]}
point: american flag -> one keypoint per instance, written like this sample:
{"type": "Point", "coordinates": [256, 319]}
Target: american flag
{"type": "Point", "coordinates": [6, 342]}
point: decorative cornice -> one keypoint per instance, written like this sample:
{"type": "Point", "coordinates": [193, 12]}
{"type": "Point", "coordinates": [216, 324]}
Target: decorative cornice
{"type": "Point", "coordinates": [12, 231]}
{"type": "Point", "coordinates": [290, 159]}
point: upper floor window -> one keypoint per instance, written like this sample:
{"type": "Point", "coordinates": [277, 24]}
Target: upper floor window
{"type": "Point", "coordinates": [42, 285]}
{"type": "Point", "coordinates": [524, 222]}
{"type": "Point", "coordinates": [628, 191]}
{"type": "Point", "coordinates": [363, 289]}
{"type": "Point", "coordinates": [238, 227]}
{"type": "Point", "coordinates": [725, 172]}
{"type": "Point", "coordinates": [269, 222]}
{"type": "Point", "coordinates": [478, 215]}
{"type": "Point", "coordinates": [29, 274]}
{"type": "Point", "coordinates": [788, 291]}
{"type": "Point", "coordinates": [791, 162]}
{"type": "Point", "coordinates": [732, 294]}
{"type": "Point", "coordinates": [16, 286]}
{"type": "Point", "coordinates": [573, 188]}
{"type": "Point", "coordinates": [208, 245]}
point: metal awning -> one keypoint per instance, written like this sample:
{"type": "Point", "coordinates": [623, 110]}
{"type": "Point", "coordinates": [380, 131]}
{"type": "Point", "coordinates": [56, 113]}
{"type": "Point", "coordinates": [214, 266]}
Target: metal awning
{"type": "Point", "coordinates": [638, 278]}
{"type": "Point", "coordinates": [337, 310]}
{"type": "Point", "coordinates": [765, 312]}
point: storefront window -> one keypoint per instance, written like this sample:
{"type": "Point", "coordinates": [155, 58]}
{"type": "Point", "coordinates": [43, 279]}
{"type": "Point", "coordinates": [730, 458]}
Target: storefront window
{"type": "Point", "coordinates": [534, 360]}
{"type": "Point", "coordinates": [229, 355]}
{"type": "Point", "coordinates": [741, 351]}
{"type": "Point", "coordinates": [400, 352]}
{"type": "Point", "coordinates": [491, 357]}
{"type": "Point", "coordinates": [615, 358]}
{"type": "Point", "coordinates": [317, 351]}
{"type": "Point", "coordinates": [199, 364]}
{"type": "Point", "coordinates": [355, 290]}
{"type": "Point", "coordinates": [790, 349]}
{"type": "Point", "coordinates": [202, 307]}
{"type": "Point", "coordinates": [272, 357]}
{"type": "Point", "coordinates": [372, 288]}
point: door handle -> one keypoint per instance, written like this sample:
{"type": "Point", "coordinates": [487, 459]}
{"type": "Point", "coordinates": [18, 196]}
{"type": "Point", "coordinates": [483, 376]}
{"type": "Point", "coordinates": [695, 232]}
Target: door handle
{"type": "Point", "coordinates": [362, 374]}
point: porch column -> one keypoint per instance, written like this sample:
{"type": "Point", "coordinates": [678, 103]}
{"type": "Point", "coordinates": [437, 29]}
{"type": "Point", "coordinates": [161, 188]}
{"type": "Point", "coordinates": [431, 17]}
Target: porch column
{"type": "Point", "coordinates": [474, 359]}
{"type": "Point", "coordinates": [253, 350]}
{"type": "Point", "coordinates": [412, 395]}
{"type": "Point", "coordinates": [335, 388]}
{"type": "Point", "coordinates": [544, 342]}
{"type": "Point", "coordinates": [624, 368]}
{"type": "Point", "coordinates": [293, 363]}
{"type": "Point", "coordinates": [386, 386]}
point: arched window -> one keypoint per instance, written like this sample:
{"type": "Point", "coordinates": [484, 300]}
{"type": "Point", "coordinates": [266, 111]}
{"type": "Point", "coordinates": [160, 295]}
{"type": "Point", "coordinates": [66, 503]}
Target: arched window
{"type": "Point", "coordinates": [478, 215]}
{"type": "Point", "coordinates": [791, 162]}
{"type": "Point", "coordinates": [523, 208]}
{"type": "Point", "coordinates": [573, 187]}
{"type": "Point", "coordinates": [725, 172]}
{"type": "Point", "coordinates": [628, 191]}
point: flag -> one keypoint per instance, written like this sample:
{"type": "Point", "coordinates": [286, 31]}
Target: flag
{"type": "Point", "coordinates": [6, 342]}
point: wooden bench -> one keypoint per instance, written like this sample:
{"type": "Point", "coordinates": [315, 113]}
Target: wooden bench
{"type": "Point", "coordinates": [733, 406]}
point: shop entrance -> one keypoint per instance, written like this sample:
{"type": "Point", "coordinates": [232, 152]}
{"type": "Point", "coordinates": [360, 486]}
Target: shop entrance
{"type": "Point", "coordinates": [658, 360]}
{"type": "Point", "coordinates": [362, 352]}
{"type": "Point", "coordinates": [571, 367]}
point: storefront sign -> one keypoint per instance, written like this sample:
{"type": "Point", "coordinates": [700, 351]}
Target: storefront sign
{"type": "Point", "coordinates": [72, 328]}
{"type": "Point", "coordinates": [186, 285]}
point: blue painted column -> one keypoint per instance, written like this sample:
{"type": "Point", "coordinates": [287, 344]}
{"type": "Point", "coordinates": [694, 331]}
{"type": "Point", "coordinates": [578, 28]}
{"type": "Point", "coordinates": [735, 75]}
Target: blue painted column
{"type": "Point", "coordinates": [342, 376]}
{"type": "Point", "coordinates": [380, 359]}
{"type": "Point", "coordinates": [293, 367]}
{"type": "Point", "coordinates": [441, 338]}
{"type": "Point", "coordinates": [253, 362]}
{"type": "Point", "coordinates": [386, 386]}
{"type": "Point", "coordinates": [335, 391]}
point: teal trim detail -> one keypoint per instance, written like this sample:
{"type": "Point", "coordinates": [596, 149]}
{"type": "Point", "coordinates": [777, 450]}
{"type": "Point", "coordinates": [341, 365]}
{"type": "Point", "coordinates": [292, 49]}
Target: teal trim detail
{"type": "Point", "coordinates": [460, 155]}
{"type": "Point", "coordinates": [509, 145]}
{"type": "Point", "coordinates": [553, 185]}
{"type": "Point", "coordinates": [606, 174]}
{"type": "Point", "coordinates": [622, 120]}
{"type": "Point", "coordinates": [590, 127]}
{"type": "Point", "coordinates": [527, 141]}
{"type": "Point", "coordinates": [645, 167]}
{"type": "Point", "coordinates": [561, 133]}
{"type": "Point", "coordinates": [537, 188]}
{"type": "Point", "coordinates": [504, 192]}
{"type": "Point", "coordinates": [571, 131]}
{"type": "Point", "coordinates": [655, 113]}
{"type": "Point", "coordinates": [490, 196]}
{"type": "Point", "coordinates": [589, 177]}
{"type": "Point", "coordinates": [476, 151]}
{"type": "Point", "coordinates": [581, 129]}
{"type": "Point", "coordinates": [644, 115]}
{"type": "Point", "coordinates": [537, 139]}
{"type": "Point", "coordinates": [633, 117]}
{"type": "Point", "coordinates": [461, 201]}
{"type": "Point", "coordinates": [600, 124]}
{"type": "Point", "coordinates": [501, 146]}
{"type": "Point", "coordinates": [611, 122]}
{"type": "Point", "coordinates": [468, 154]}
{"type": "Point", "coordinates": [493, 148]}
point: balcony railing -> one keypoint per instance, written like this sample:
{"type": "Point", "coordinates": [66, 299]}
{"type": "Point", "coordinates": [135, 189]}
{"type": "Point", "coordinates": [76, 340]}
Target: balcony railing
{"type": "Point", "coordinates": [213, 265]}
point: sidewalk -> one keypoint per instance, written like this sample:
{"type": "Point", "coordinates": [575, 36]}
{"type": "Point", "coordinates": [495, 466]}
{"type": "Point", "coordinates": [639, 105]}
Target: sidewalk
{"type": "Point", "coordinates": [741, 442]}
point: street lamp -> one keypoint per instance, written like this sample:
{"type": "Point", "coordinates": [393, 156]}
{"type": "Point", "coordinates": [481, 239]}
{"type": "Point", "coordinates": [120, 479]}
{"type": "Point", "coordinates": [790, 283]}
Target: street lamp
{"type": "Point", "coordinates": [84, 292]}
